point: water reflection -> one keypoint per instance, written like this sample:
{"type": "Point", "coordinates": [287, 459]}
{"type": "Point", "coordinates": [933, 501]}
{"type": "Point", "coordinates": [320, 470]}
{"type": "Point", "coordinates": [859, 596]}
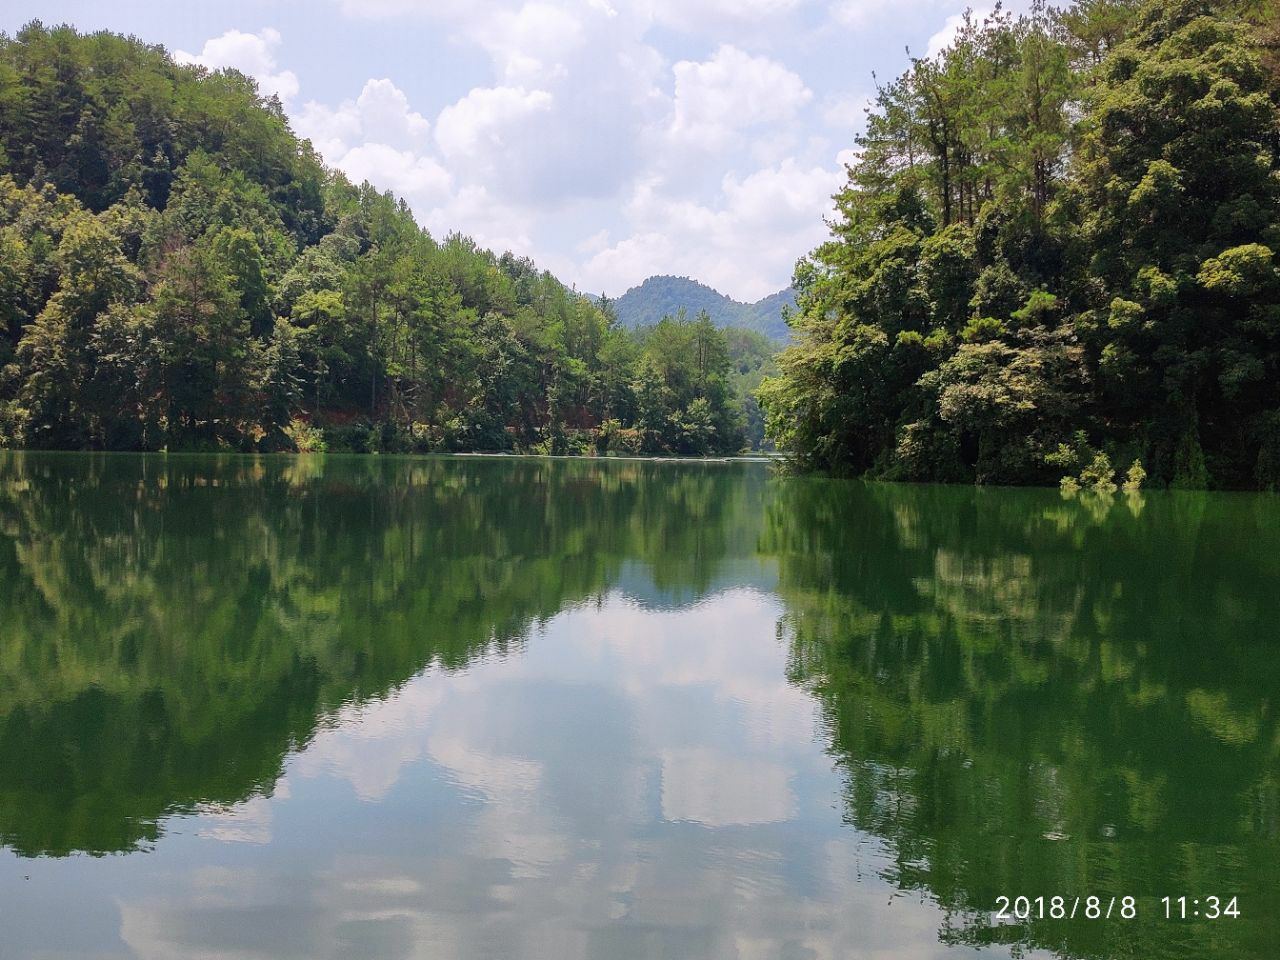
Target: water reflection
{"type": "Point", "coordinates": [474, 708]}
{"type": "Point", "coordinates": [601, 832]}
{"type": "Point", "coordinates": [174, 626]}
{"type": "Point", "coordinates": [1042, 697]}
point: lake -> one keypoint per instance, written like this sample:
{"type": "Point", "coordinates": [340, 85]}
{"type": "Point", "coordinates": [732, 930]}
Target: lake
{"type": "Point", "coordinates": [509, 708]}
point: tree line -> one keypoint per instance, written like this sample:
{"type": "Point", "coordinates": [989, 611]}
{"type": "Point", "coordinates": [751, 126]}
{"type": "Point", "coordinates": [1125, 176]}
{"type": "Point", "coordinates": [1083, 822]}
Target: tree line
{"type": "Point", "coordinates": [1055, 258]}
{"type": "Point", "coordinates": [179, 271]}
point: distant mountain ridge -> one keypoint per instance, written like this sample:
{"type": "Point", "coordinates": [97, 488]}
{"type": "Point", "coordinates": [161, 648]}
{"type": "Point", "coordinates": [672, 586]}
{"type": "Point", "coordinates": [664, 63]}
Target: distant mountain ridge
{"type": "Point", "coordinates": [663, 296]}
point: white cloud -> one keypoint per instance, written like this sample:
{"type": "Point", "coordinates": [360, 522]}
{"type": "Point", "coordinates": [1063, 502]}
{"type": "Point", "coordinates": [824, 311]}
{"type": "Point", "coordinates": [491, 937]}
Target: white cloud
{"type": "Point", "coordinates": [704, 16]}
{"type": "Point", "coordinates": [475, 127]}
{"type": "Point", "coordinates": [858, 13]}
{"type": "Point", "coordinates": [778, 196]}
{"type": "Point", "coordinates": [416, 178]}
{"type": "Point", "coordinates": [846, 114]}
{"type": "Point", "coordinates": [379, 137]}
{"type": "Point", "coordinates": [594, 243]}
{"type": "Point", "coordinates": [716, 17]}
{"type": "Point", "coordinates": [328, 129]}
{"type": "Point", "coordinates": [386, 116]}
{"type": "Point", "coordinates": [903, 15]}
{"type": "Point", "coordinates": [252, 54]}
{"type": "Point", "coordinates": [588, 149]}
{"type": "Point", "coordinates": [380, 115]}
{"type": "Point", "coordinates": [397, 8]}
{"type": "Point", "coordinates": [492, 223]}
{"type": "Point", "coordinates": [732, 91]}
{"type": "Point", "coordinates": [576, 92]}
{"type": "Point", "coordinates": [531, 43]}
{"type": "Point", "coordinates": [944, 37]}
{"type": "Point", "coordinates": [716, 789]}
{"type": "Point", "coordinates": [745, 241]}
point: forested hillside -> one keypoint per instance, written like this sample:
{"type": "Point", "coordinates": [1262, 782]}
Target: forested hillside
{"type": "Point", "coordinates": [179, 271]}
{"type": "Point", "coordinates": [1055, 258]}
{"type": "Point", "coordinates": [660, 297]}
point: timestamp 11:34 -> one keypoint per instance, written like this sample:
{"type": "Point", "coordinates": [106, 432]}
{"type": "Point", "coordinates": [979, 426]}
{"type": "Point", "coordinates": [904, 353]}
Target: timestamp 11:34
{"type": "Point", "coordinates": [1204, 908]}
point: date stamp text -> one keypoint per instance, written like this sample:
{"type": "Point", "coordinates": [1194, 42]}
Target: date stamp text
{"type": "Point", "coordinates": [1023, 908]}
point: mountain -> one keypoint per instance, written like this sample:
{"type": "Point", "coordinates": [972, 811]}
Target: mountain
{"type": "Point", "coordinates": [659, 297]}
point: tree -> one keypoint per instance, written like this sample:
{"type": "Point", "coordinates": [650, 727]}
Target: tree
{"type": "Point", "coordinates": [66, 399]}
{"type": "Point", "coordinates": [198, 350]}
{"type": "Point", "coordinates": [1182, 220]}
{"type": "Point", "coordinates": [229, 284]}
{"type": "Point", "coordinates": [1064, 223]}
{"type": "Point", "coordinates": [239, 250]}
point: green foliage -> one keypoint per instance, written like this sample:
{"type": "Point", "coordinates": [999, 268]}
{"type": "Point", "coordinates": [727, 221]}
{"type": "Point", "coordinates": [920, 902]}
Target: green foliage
{"type": "Point", "coordinates": [1099, 475]}
{"type": "Point", "coordinates": [305, 437]}
{"type": "Point", "coordinates": [1135, 478]}
{"type": "Point", "coordinates": [752, 358]}
{"type": "Point", "coordinates": [1065, 223]}
{"type": "Point", "coordinates": [178, 271]}
{"type": "Point", "coordinates": [1190, 471]}
{"type": "Point", "coordinates": [612, 437]}
{"type": "Point", "coordinates": [1244, 271]}
{"type": "Point", "coordinates": [12, 424]}
{"type": "Point", "coordinates": [983, 329]}
{"type": "Point", "coordinates": [684, 398]}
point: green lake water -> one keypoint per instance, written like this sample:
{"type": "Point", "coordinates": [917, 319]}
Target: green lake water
{"type": "Point", "coordinates": [503, 708]}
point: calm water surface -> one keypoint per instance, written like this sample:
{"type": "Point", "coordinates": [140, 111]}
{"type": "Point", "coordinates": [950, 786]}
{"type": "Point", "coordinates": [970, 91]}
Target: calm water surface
{"type": "Point", "coordinates": [383, 708]}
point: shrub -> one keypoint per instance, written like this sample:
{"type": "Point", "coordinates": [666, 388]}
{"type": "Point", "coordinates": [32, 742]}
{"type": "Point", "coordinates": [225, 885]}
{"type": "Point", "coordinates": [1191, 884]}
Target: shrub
{"type": "Point", "coordinates": [13, 420]}
{"type": "Point", "coordinates": [1135, 477]}
{"type": "Point", "coordinates": [352, 438]}
{"type": "Point", "coordinates": [1099, 475]}
{"type": "Point", "coordinates": [305, 437]}
{"type": "Point", "coordinates": [982, 330]}
{"type": "Point", "coordinates": [1190, 472]}
{"type": "Point", "coordinates": [613, 437]}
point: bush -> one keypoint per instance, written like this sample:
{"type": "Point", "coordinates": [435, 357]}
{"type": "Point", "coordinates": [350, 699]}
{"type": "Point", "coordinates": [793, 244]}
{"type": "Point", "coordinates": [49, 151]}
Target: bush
{"type": "Point", "coordinates": [1135, 477]}
{"type": "Point", "coordinates": [578, 443]}
{"type": "Point", "coordinates": [352, 438]}
{"type": "Point", "coordinates": [1099, 475]}
{"type": "Point", "coordinates": [983, 329]}
{"type": "Point", "coordinates": [424, 438]}
{"type": "Point", "coordinates": [13, 421]}
{"type": "Point", "coordinates": [613, 437]}
{"type": "Point", "coordinates": [305, 437]}
{"type": "Point", "coordinates": [476, 430]}
{"type": "Point", "coordinates": [1190, 472]}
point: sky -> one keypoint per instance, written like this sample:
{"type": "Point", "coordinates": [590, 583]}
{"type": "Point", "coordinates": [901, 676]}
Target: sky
{"type": "Point", "coordinates": [609, 140]}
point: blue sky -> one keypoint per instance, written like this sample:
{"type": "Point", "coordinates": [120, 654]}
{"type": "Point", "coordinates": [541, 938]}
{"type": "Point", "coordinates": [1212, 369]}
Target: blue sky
{"type": "Point", "coordinates": [608, 139]}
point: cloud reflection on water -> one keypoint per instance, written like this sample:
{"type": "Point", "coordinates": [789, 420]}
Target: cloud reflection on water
{"type": "Point", "coordinates": [639, 781]}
